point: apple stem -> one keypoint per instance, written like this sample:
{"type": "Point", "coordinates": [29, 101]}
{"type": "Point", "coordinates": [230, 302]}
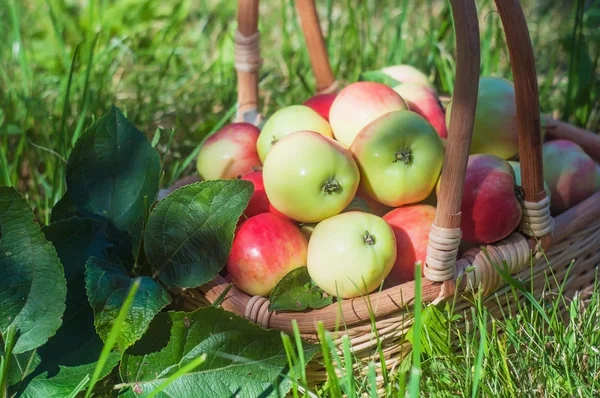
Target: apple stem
{"type": "Point", "coordinates": [274, 141]}
{"type": "Point", "coordinates": [331, 186]}
{"type": "Point", "coordinates": [404, 156]}
{"type": "Point", "coordinates": [368, 238]}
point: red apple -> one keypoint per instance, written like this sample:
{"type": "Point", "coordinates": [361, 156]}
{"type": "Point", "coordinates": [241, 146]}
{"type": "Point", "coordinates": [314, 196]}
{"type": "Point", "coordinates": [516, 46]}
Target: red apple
{"type": "Point", "coordinates": [357, 105]}
{"type": "Point", "coordinates": [411, 225]}
{"type": "Point", "coordinates": [265, 248]}
{"type": "Point", "coordinates": [321, 103]}
{"type": "Point", "coordinates": [490, 208]}
{"type": "Point", "coordinates": [422, 100]}
{"type": "Point", "coordinates": [259, 202]}
{"type": "Point", "coordinates": [229, 153]}
{"type": "Point", "coordinates": [571, 174]}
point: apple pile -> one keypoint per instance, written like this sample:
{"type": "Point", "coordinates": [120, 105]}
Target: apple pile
{"type": "Point", "coordinates": [345, 184]}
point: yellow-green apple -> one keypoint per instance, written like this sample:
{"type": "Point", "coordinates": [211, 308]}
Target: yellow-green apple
{"type": "Point", "coordinates": [287, 120]}
{"type": "Point", "coordinates": [357, 105]}
{"type": "Point", "coordinates": [495, 128]}
{"type": "Point", "coordinates": [351, 253]}
{"type": "Point", "coordinates": [490, 208]}
{"type": "Point", "coordinates": [309, 177]}
{"type": "Point", "coordinates": [321, 103]}
{"type": "Point", "coordinates": [229, 153]}
{"type": "Point", "coordinates": [259, 202]}
{"type": "Point", "coordinates": [408, 74]}
{"type": "Point", "coordinates": [517, 169]}
{"type": "Point", "coordinates": [411, 225]}
{"type": "Point", "coordinates": [571, 174]}
{"type": "Point", "coordinates": [265, 248]}
{"type": "Point", "coordinates": [400, 158]}
{"type": "Point", "coordinates": [422, 100]}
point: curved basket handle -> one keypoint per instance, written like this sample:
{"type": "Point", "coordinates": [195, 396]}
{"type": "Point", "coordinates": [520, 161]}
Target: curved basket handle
{"type": "Point", "coordinates": [445, 234]}
{"type": "Point", "coordinates": [309, 19]}
{"type": "Point", "coordinates": [247, 61]}
{"type": "Point", "coordinates": [536, 209]}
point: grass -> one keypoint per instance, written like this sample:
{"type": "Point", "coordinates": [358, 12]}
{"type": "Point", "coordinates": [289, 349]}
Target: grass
{"type": "Point", "coordinates": [169, 65]}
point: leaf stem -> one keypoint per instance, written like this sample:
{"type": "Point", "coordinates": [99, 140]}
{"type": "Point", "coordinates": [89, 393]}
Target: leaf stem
{"type": "Point", "coordinates": [9, 343]}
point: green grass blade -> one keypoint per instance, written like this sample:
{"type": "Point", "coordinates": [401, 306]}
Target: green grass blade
{"type": "Point", "coordinates": [415, 373]}
{"type": "Point", "coordinates": [115, 331]}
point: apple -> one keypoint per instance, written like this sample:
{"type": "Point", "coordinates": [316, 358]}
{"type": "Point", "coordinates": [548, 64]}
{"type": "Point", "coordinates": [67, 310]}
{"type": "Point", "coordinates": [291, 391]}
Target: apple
{"type": "Point", "coordinates": [400, 157]}
{"type": "Point", "coordinates": [571, 174]}
{"type": "Point", "coordinates": [490, 208]}
{"type": "Point", "coordinates": [229, 153]}
{"type": "Point", "coordinates": [517, 169]}
{"type": "Point", "coordinates": [495, 128]}
{"type": "Point", "coordinates": [422, 100]}
{"type": "Point", "coordinates": [357, 105]}
{"type": "Point", "coordinates": [411, 225]}
{"type": "Point", "coordinates": [265, 248]}
{"type": "Point", "coordinates": [309, 177]}
{"type": "Point", "coordinates": [351, 253]}
{"type": "Point", "coordinates": [408, 74]}
{"type": "Point", "coordinates": [321, 103]}
{"type": "Point", "coordinates": [286, 121]}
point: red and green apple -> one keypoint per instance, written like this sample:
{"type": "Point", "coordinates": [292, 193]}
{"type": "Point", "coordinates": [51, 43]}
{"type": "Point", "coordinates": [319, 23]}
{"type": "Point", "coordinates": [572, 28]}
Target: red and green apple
{"type": "Point", "coordinates": [265, 248]}
{"type": "Point", "coordinates": [400, 157]}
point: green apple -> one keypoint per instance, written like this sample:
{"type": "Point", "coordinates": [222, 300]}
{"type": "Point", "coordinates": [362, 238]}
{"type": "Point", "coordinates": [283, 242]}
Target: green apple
{"type": "Point", "coordinates": [309, 177]}
{"type": "Point", "coordinates": [495, 130]}
{"type": "Point", "coordinates": [286, 121]}
{"type": "Point", "coordinates": [400, 157]}
{"type": "Point", "coordinates": [351, 253]}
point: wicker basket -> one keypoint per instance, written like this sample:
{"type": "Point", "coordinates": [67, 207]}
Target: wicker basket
{"type": "Point", "coordinates": [573, 235]}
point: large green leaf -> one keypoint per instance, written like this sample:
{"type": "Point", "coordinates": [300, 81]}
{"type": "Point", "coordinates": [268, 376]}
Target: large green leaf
{"type": "Point", "coordinates": [189, 233]}
{"type": "Point", "coordinates": [73, 351]}
{"type": "Point", "coordinates": [243, 360]}
{"type": "Point", "coordinates": [111, 170]}
{"type": "Point", "coordinates": [32, 282]}
{"type": "Point", "coordinates": [297, 292]}
{"type": "Point", "coordinates": [107, 286]}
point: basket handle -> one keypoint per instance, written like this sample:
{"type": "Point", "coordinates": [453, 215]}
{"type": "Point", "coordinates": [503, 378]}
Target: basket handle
{"type": "Point", "coordinates": [315, 44]}
{"type": "Point", "coordinates": [247, 61]}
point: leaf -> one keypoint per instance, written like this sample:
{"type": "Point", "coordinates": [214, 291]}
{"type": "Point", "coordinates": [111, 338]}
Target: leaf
{"type": "Point", "coordinates": [74, 350]}
{"type": "Point", "coordinates": [378, 76]}
{"type": "Point", "coordinates": [110, 171]}
{"type": "Point", "coordinates": [242, 360]}
{"type": "Point", "coordinates": [297, 292]}
{"type": "Point", "coordinates": [120, 242]}
{"type": "Point", "coordinates": [32, 286]}
{"type": "Point", "coordinates": [189, 233]}
{"type": "Point", "coordinates": [107, 286]}
{"type": "Point", "coordinates": [65, 380]}
{"type": "Point", "coordinates": [434, 337]}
